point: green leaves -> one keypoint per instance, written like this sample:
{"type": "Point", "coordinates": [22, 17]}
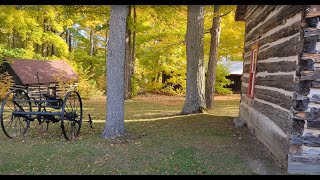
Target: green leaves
{"type": "Point", "coordinates": [63, 32]}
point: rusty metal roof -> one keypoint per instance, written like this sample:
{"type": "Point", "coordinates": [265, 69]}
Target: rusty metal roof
{"type": "Point", "coordinates": [49, 71]}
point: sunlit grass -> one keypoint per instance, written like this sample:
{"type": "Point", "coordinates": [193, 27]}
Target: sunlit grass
{"type": "Point", "coordinates": [159, 141]}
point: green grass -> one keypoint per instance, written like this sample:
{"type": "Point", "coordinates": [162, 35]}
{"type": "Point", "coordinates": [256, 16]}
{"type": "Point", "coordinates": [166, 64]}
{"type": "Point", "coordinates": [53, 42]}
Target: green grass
{"type": "Point", "coordinates": [159, 141]}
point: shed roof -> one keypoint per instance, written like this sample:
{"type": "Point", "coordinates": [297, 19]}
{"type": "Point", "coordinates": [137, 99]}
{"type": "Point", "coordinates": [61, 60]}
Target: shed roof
{"type": "Point", "coordinates": [234, 67]}
{"type": "Point", "coordinates": [240, 12]}
{"type": "Point", "coordinates": [49, 71]}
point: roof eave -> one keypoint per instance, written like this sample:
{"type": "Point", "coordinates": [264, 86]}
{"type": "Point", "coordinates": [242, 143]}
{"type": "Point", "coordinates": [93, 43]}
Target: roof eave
{"type": "Point", "coordinates": [240, 12]}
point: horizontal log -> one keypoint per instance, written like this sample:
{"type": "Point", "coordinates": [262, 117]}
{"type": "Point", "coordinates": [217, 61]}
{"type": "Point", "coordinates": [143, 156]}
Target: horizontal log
{"type": "Point", "coordinates": [310, 75]}
{"type": "Point", "coordinates": [314, 57]}
{"type": "Point", "coordinates": [312, 115]}
{"type": "Point", "coordinates": [299, 97]}
{"type": "Point", "coordinates": [309, 140]}
{"type": "Point", "coordinates": [313, 125]}
{"type": "Point", "coordinates": [250, 12]}
{"type": "Point", "coordinates": [282, 33]}
{"type": "Point", "coordinates": [315, 84]}
{"type": "Point", "coordinates": [296, 140]}
{"type": "Point", "coordinates": [274, 138]}
{"type": "Point", "coordinates": [303, 164]}
{"type": "Point", "coordinates": [285, 49]}
{"type": "Point", "coordinates": [273, 97]}
{"type": "Point", "coordinates": [257, 16]}
{"type": "Point", "coordinates": [285, 82]}
{"type": "Point", "coordinates": [278, 116]}
{"type": "Point", "coordinates": [244, 89]}
{"type": "Point", "coordinates": [277, 20]}
{"type": "Point", "coordinates": [311, 32]}
{"type": "Point", "coordinates": [312, 11]}
{"type": "Point", "coordinates": [272, 67]}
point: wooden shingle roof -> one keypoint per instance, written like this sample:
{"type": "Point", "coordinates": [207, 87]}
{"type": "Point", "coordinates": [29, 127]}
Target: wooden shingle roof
{"type": "Point", "coordinates": [48, 71]}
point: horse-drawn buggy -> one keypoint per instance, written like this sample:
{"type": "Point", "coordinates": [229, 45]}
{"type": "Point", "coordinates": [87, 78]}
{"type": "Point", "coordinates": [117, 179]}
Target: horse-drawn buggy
{"type": "Point", "coordinates": [18, 110]}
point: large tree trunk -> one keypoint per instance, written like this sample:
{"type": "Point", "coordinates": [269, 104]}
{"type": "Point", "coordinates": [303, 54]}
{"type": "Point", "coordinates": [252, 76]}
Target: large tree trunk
{"type": "Point", "coordinates": [133, 51]}
{"type": "Point", "coordinates": [194, 102]}
{"type": "Point", "coordinates": [213, 58]}
{"type": "Point", "coordinates": [127, 65]}
{"type": "Point", "coordinates": [115, 72]}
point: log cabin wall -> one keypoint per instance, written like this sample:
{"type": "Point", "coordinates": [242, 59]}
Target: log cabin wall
{"type": "Point", "coordinates": [277, 31]}
{"type": "Point", "coordinates": [33, 90]}
{"type": "Point", "coordinates": [304, 153]}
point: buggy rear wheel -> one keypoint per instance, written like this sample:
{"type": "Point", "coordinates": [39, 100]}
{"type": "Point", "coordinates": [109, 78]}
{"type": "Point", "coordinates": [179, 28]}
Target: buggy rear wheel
{"type": "Point", "coordinates": [14, 126]}
{"type": "Point", "coordinates": [71, 119]}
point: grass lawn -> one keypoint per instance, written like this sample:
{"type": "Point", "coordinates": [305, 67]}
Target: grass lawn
{"type": "Point", "coordinates": [159, 141]}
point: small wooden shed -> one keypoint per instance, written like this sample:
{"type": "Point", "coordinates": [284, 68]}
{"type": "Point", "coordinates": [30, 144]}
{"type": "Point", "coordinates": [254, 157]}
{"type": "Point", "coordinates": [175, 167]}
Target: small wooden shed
{"type": "Point", "coordinates": [235, 69]}
{"type": "Point", "coordinates": [55, 76]}
{"type": "Point", "coordinates": [280, 92]}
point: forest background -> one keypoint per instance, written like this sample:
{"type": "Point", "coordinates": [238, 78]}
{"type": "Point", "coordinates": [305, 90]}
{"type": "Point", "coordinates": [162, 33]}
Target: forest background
{"type": "Point", "coordinates": [156, 49]}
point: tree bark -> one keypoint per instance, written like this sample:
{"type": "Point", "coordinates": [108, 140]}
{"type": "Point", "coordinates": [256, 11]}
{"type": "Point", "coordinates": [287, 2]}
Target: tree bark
{"type": "Point", "coordinates": [195, 102]}
{"type": "Point", "coordinates": [127, 65]}
{"type": "Point", "coordinates": [133, 52]}
{"type": "Point", "coordinates": [67, 35]}
{"type": "Point", "coordinates": [114, 125]}
{"type": "Point", "coordinates": [213, 58]}
{"type": "Point", "coordinates": [70, 41]}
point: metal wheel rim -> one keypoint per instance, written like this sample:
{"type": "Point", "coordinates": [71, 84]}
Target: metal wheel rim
{"type": "Point", "coordinates": [19, 123]}
{"type": "Point", "coordinates": [70, 124]}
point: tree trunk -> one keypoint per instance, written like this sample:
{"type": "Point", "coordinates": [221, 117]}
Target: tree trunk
{"type": "Point", "coordinates": [195, 102]}
{"type": "Point", "coordinates": [127, 65]}
{"type": "Point", "coordinates": [91, 42]}
{"type": "Point", "coordinates": [37, 48]}
{"type": "Point", "coordinates": [114, 125]}
{"type": "Point", "coordinates": [133, 51]}
{"type": "Point", "coordinates": [67, 35]}
{"type": "Point", "coordinates": [52, 46]}
{"type": "Point", "coordinates": [213, 58]}
{"type": "Point", "coordinates": [70, 41]}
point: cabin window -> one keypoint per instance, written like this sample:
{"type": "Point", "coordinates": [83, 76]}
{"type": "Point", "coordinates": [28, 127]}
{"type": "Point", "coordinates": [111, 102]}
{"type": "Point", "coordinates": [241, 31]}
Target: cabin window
{"type": "Point", "coordinates": [52, 90]}
{"type": "Point", "coordinates": [253, 66]}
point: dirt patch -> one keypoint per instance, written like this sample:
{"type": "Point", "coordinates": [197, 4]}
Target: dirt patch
{"type": "Point", "coordinates": [230, 97]}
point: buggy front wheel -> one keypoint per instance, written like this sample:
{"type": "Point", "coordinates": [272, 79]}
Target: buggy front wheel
{"type": "Point", "coordinates": [16, 101]}
{"type": "Point", "coordinates": [71, 118]}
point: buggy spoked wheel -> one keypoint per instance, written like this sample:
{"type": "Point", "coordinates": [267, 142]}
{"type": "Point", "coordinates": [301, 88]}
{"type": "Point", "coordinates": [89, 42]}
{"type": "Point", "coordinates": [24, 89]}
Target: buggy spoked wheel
{"type": "Point", "coordinates": [71, 119]}
{"type": "Point", "coordinates": [14, 126]}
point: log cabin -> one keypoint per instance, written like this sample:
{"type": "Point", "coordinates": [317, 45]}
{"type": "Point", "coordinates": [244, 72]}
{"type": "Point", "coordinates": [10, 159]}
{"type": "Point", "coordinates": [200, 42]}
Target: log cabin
{"type": "Point", "coordinates": [56, 77]}
{"type": "Point", "coordinates": [280, 92]}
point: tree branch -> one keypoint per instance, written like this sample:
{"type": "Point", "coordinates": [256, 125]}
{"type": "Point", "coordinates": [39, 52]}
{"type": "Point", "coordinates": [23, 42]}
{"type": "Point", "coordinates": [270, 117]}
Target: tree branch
{"type": "Point", "coordinates": [225, 14]}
